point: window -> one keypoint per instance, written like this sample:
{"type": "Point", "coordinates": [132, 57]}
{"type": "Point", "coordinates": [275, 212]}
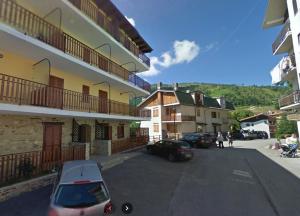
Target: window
{"type": "Point", "coordinates": [213, 114]}
{"type": "Point", "coordinates": [155, 112]}
{"type": "Point", "coordinates": [120, 131]}
{"type": "Point", "coordinates": [81, 195]}
{"type": "Point", "coordinates": [247, 125]}
{"type": "Point", "coordinates": [295, 7]}
{"type": "Point", "coordinates": [156, 128]}
{"type": "Point", "coordinates": [101, 131]}
{"type": "Point", "coordinates": [85, 93]}
{"type": "Point", "coordinates": [198, 112]}
{"type": "Point", "coordinates": [252, 124]}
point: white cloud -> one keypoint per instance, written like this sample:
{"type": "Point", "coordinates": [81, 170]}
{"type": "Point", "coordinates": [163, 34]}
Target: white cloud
{"type": "Point", "coordinates": [183, 51]}
{"type": "Point", "coordinates": [131, 20]}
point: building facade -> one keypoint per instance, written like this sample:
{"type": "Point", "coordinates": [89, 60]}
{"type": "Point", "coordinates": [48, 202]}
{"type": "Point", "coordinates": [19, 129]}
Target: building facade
{"type": "Point", "coordinates": [68, 69]}
{"type": "Point", "coordinates": [258, 122]}
{"type": "Point", "coordinates": [176, 112]}
{"type": "Point", "coordinates": [287, 42]}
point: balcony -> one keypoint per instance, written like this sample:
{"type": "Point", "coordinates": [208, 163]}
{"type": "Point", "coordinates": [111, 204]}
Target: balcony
{"type": "Point", "coordinates": [178, 118]}
{"type": "Point", "coordinates": [283, 42]}
{"type": "Point", "coordinates": [14, 90]}
{"type": "Point", "coordinates": [32, 25]}
{"type": "Point", "coordinates": [290, 101]}
{"type": "Point", "coordinates": [90, 9]}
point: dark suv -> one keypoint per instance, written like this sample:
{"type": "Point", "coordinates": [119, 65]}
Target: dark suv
{"type": "Point", "coordinates": [197, 140]}
{"type": "Point", "coordinates": [171, 149]}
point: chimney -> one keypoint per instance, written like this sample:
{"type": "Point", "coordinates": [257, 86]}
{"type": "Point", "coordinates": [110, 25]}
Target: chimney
{"type": "Point", "coordinates": [175, 86]}
{"type": "Point", "coordinates": [159, 85]}
{"type": "Point", "coordinates": [222, 102]}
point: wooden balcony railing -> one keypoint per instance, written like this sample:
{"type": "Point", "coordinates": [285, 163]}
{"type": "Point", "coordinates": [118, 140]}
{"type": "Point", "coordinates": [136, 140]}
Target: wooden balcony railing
{"type": "Point", "coordinates": [125, 144]}
{"type": "Point", "coordinates": [15, 90]}
{"type": "Point", "coordinates": [282, 36]}
{"type": "Point", "coordinates": [92, 11]}
{"type": "Point", "coordinates": [30, 24]}
{"type": "Point", "coordinates": [14, 167]}
{"type": "Point", "coordinates": [290, 99]}
{"type": "Point", "coordinates": [179, 118]}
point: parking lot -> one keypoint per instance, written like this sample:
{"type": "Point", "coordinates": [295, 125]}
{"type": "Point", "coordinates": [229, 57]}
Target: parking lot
{"type": "Point", "coordinates": [230, 181]}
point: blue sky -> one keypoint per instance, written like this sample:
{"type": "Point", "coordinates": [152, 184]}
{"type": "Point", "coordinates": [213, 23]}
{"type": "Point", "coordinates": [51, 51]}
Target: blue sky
{"type": "Point", "coordinates": [211, 41]}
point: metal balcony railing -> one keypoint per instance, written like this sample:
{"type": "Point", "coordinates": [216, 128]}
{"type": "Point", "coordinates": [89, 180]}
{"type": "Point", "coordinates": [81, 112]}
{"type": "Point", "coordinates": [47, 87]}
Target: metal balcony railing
{"type": "Point", "coordinates": [286, 30]}
{"type": "Point", "coordinates": [14, 90]}
{"type": "Point", "coordinates": [179, 118]}
{"type": "Point", "coordinates": [30, 24]}
{"type": "Point", "coordinates": [89, 8]}
{"type": "Point", "coordinates": [290, 99]}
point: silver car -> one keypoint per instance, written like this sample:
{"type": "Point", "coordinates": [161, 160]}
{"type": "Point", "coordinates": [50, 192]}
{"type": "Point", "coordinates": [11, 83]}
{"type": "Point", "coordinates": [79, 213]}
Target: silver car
{"type": "Point", "coordinates": [80, 190]}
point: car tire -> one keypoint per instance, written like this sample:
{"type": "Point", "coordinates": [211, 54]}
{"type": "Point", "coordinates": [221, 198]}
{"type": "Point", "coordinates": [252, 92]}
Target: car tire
{"type": "Point", "coordinates": [171, 157]}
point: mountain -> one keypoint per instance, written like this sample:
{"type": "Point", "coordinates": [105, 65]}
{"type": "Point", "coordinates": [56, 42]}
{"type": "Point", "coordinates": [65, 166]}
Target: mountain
{"type": "Point", "coordinates": [238, 95]}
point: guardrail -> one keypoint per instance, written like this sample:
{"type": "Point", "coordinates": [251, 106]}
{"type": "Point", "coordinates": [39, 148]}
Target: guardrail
{"type": "Point", "coordinates": [14, 167]}
{"type": "Point", "coordinates": [290, 99]}
{"type": "Point", "coordinates": [15, 90]}
{"type": "Point", "coordinates": [92, 11]}
{"type": "Point", "coordinates": [24, 20]}
{"type": "Point", "coordinates": [282, 36]}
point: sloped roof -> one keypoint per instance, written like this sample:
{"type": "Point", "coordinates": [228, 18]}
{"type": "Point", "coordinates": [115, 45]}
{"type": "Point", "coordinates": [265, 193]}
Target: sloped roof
{"type": "Point", "coordinates": [184, 98]}
{"type": "Point", "coordinates": [255, 118]}
{"type": "Point", "coordinates": [229, 105]}
{"type": "Point", "coordinates": [211, 102]}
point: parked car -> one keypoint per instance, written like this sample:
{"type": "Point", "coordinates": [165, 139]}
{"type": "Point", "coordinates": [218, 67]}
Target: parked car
{"type": "Point", "coordinates": [197, 140]}
{"type": "Point", "coordinates": [249, 135]}
{"type": "Point", "coordinates": [262, 134]}
{"type": "Point", "coordinates": [79, 189]}
{"type": "Point", "coordinates": [173, 150]}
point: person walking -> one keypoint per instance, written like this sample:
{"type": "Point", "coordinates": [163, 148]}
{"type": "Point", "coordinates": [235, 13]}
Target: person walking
{"type": "Point", "coordinates": [220, 140]}
{"type": "Point", "coordinates": [230, 139]}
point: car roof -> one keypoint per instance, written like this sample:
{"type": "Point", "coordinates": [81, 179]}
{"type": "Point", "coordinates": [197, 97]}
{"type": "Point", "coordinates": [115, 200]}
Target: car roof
{"type": "Point", "coordinates": [80, 170]}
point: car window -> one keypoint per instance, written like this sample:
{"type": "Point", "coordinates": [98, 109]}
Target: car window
{"type": "Point", "coordinates": [81, 195]}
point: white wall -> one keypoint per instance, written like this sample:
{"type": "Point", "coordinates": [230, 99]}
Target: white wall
{"type": "Point", "coordinates": [295, 27]}
{"type": "Point", "coordinates": [261, 125]}
{"type": "Point", "coordinates": [149, 124]}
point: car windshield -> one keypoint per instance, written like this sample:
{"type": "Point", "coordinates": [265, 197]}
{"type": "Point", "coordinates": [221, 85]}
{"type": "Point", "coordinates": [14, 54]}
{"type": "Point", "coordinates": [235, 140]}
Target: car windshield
{"type": "Point", "coordinates": [81, 195]}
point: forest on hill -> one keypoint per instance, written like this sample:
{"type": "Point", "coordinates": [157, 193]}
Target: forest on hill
{"type": "Point", "coordinates": [237, 94]}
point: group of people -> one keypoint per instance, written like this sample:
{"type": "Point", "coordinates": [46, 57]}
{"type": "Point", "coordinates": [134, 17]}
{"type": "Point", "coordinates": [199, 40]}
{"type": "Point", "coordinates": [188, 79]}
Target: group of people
{"type": "Point", "coordinates": [220, 139]}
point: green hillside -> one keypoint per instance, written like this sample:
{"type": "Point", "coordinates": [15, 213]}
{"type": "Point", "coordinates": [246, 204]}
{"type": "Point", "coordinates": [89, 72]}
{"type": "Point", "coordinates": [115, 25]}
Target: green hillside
{"type": "Point", "coordinates": [240, 95]}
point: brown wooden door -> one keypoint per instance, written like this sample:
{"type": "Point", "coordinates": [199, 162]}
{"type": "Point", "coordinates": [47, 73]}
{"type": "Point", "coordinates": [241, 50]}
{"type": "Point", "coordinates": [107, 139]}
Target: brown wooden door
{"type": "Point", "coordinates": [103, 102]}
{"type": "Point", "coordinates": [55, 92]}
{"type": "Point", "coordinates": [52, 142]}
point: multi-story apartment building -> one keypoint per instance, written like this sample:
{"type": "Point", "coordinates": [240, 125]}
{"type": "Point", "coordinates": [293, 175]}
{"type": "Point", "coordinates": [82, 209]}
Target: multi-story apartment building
{"type": "Point", "coordinates": [68, 69]}
{"type": "Point", "coordinates": [286, 13]}
{"type": "Point", "coordinates": [175, 112]}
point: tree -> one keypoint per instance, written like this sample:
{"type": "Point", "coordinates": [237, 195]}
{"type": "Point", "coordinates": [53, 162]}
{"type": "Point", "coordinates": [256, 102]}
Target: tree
{"type": "Point", "coordinates": [285, 127]}
{"type": "Point", "coordinates": [240, 114]}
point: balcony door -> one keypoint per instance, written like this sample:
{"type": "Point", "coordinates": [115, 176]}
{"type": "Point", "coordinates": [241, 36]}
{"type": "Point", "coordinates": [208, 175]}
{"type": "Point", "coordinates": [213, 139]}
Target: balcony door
{"type": "Point", "coordinates": [103, 102]}
{"type": "Point", "coordinates": [55, 92]}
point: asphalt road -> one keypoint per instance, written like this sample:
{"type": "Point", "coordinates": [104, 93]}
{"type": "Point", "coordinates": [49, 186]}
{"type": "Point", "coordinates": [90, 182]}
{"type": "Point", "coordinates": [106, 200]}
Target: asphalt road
{"type": "Point", "coordinates": [230, 181]}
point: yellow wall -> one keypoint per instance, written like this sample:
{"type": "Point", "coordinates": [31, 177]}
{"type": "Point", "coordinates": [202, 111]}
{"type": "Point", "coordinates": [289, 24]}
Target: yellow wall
{"type": "Point", "coordinates": [21, 67]}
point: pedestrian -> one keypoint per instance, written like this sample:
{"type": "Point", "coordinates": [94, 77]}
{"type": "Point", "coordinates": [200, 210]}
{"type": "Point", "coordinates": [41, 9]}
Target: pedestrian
{"type": "Point", "coordinates": [230, 139]}
{"type": "Point", "coordinates": [220, 140]}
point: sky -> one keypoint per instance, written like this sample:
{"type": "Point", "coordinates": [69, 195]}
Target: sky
{"type": "Point", "coordinates": [208, 41]}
